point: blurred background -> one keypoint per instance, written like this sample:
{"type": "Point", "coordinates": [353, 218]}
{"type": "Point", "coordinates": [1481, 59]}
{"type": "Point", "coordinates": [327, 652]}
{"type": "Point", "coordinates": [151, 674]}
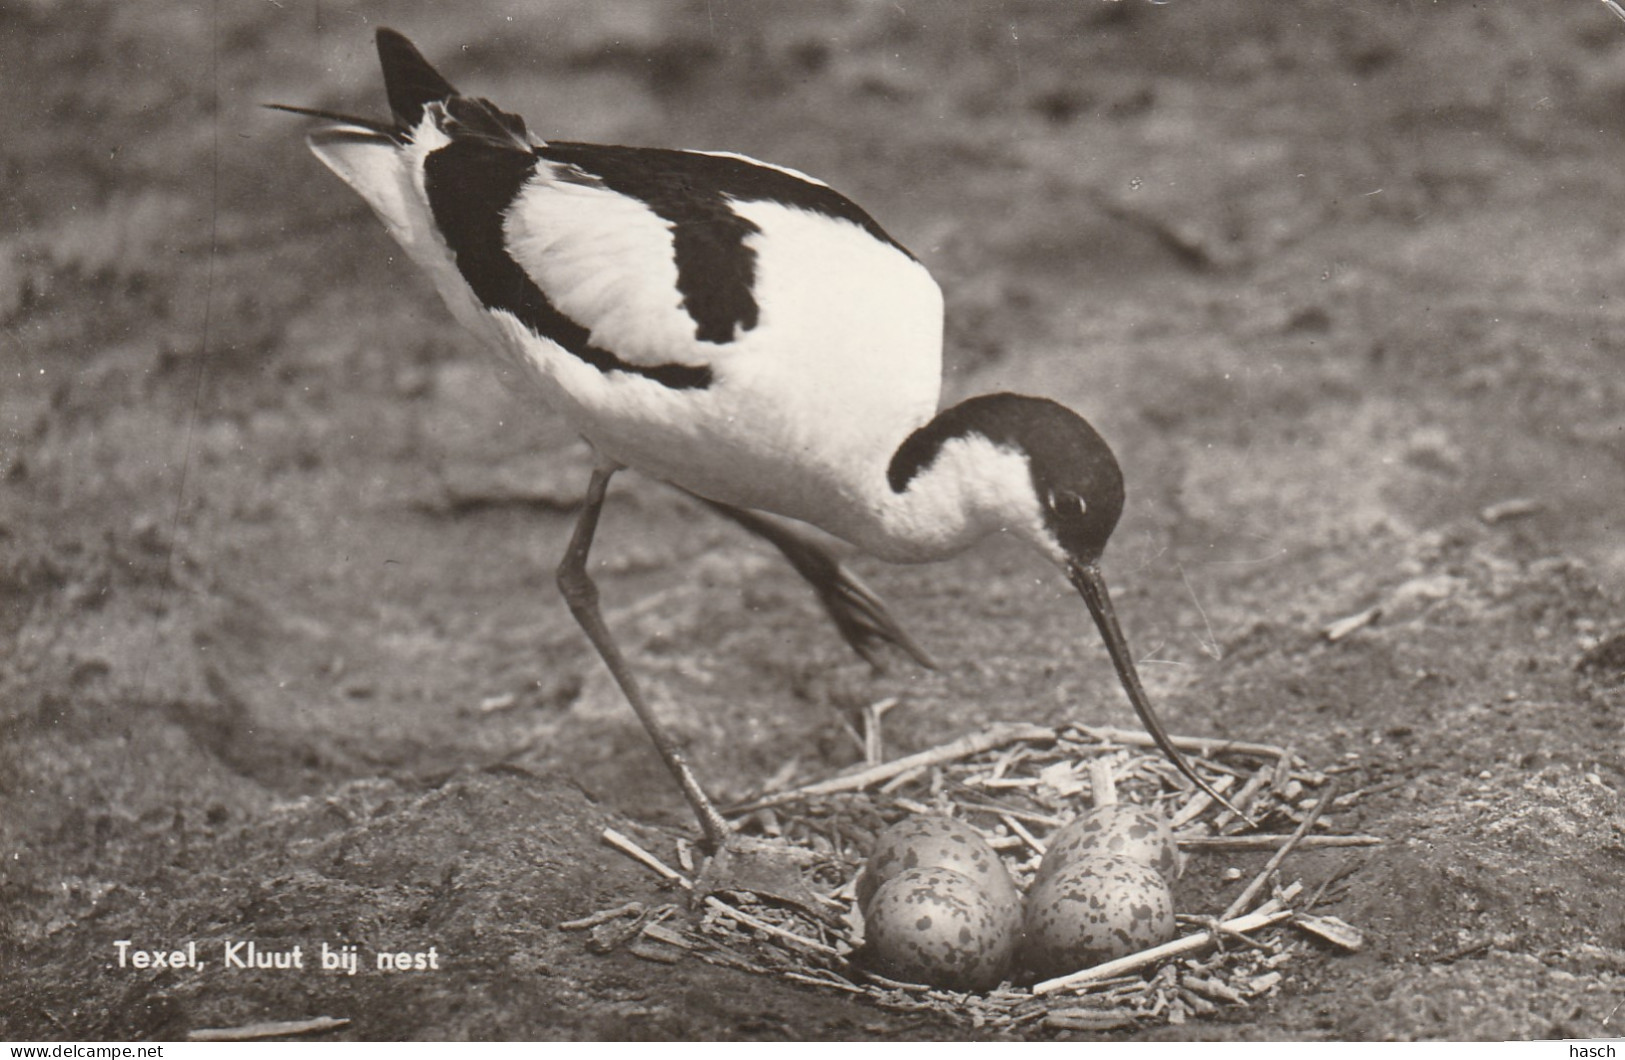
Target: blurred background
{"type": "Point", "coordinates": [1340, 282]}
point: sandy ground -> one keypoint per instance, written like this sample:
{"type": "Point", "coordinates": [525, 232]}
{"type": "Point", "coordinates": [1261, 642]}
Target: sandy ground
{"type": "Point", "coordinates": [281, 657]}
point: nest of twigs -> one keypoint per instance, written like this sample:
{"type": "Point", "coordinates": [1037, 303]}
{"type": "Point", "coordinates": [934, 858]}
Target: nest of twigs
{"type": "Point", "coordinates": [1017, 784]}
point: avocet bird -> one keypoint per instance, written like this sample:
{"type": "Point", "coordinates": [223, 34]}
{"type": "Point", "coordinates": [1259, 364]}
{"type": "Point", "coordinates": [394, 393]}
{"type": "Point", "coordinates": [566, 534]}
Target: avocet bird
{"type": "Point", "coordinates": [741, 331]}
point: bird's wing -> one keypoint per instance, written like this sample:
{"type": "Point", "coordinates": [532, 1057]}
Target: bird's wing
{"type": "Point", "coordinates": [640, 255]}
{"type": "Point", "coordinates": [652, 250]}
{"type": "Point", "coordinates": [640, 260]}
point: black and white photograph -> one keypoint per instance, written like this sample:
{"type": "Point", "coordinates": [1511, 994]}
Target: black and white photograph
{"type": "Point", "coordinates": [812, 520]}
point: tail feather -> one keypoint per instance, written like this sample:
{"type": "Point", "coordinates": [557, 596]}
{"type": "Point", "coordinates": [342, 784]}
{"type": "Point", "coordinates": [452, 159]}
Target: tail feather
{"type": "Point", "coordinates": [409, 80]}
{"type": "Point", "coordinates": [413, 85]}
{"type": "Point", "coordinates": [376, 158]}
{"type": "Point", "coordinates": [480, 119]}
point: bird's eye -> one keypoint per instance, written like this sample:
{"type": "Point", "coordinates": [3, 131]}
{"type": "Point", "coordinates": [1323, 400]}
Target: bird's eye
{"type": "Point", "coordinates": [1066, 503]}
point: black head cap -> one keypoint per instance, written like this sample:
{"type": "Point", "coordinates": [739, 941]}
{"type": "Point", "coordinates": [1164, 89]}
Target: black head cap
{"type": "Point", "coordinates": [1075, 476]}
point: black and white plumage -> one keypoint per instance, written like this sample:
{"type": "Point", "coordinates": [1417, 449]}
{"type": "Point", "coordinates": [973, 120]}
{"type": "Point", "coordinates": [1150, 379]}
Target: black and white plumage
{"type": "Point", "coordinates": [737, 329]}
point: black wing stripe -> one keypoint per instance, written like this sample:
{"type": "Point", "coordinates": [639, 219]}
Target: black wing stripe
{"type": "Point", "coordinates": [470, 184]}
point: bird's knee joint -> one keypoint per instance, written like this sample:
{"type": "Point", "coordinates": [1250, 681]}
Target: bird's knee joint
{"type": "Point", "coordinates": [577, 586]}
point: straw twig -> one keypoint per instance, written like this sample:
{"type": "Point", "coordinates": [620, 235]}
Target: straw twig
{"type": "Point", "coordinates": [817, 980]}
{"type": "Point", "coordinates": [1102, 785]}
{"type": "Point", "coordinates": [1342, 627]}
{"type": "Point", "coordinates": [1268, 842]}
{"type": "Point", "coordinates": [603, 916]}
{"type": "Point", "coordinates": [1246, 897]}
{"type": "Point", "coordinates": [1200, 803]}
{"type": "Point", "coordinates": [272, 1029]}
{"type": "Point", "coordinates": [1206, 746]}
{"type": "Point", "coordinates": [1189, 944]}
{"type": "Point", "coordinates": [626, 846]}
{"type": "Point", "coordinates": [772, 929]}
{"type": "Point", "coordinates": [975, 743]}
{"type": "Point", "coordinates": [1033, 842]}
{"type": "Point", "coordinates": [1261, 776]}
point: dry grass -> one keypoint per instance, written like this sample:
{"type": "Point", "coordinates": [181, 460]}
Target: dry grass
{"type": "Point", "coordinates": [1017, 785]}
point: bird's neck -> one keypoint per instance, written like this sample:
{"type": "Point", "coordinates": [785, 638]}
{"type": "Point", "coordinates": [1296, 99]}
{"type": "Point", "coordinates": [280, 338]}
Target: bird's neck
{"type": "Point", "coordinates": [968, 489]}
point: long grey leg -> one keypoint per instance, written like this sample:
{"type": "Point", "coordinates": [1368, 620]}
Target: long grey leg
{"type": "Point", "coordinates": [582, 596]}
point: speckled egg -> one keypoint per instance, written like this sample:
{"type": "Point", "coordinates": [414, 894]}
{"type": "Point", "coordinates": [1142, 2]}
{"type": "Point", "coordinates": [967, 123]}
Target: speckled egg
{"type": "Point", "coordinates": [924, 841]}
{"type": "Point", "coordinates": [939, 927]}
{"type": "Point", "coordinates": [1123, 829]}
{"type": "Point", "coordinates": [1093, 910]}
